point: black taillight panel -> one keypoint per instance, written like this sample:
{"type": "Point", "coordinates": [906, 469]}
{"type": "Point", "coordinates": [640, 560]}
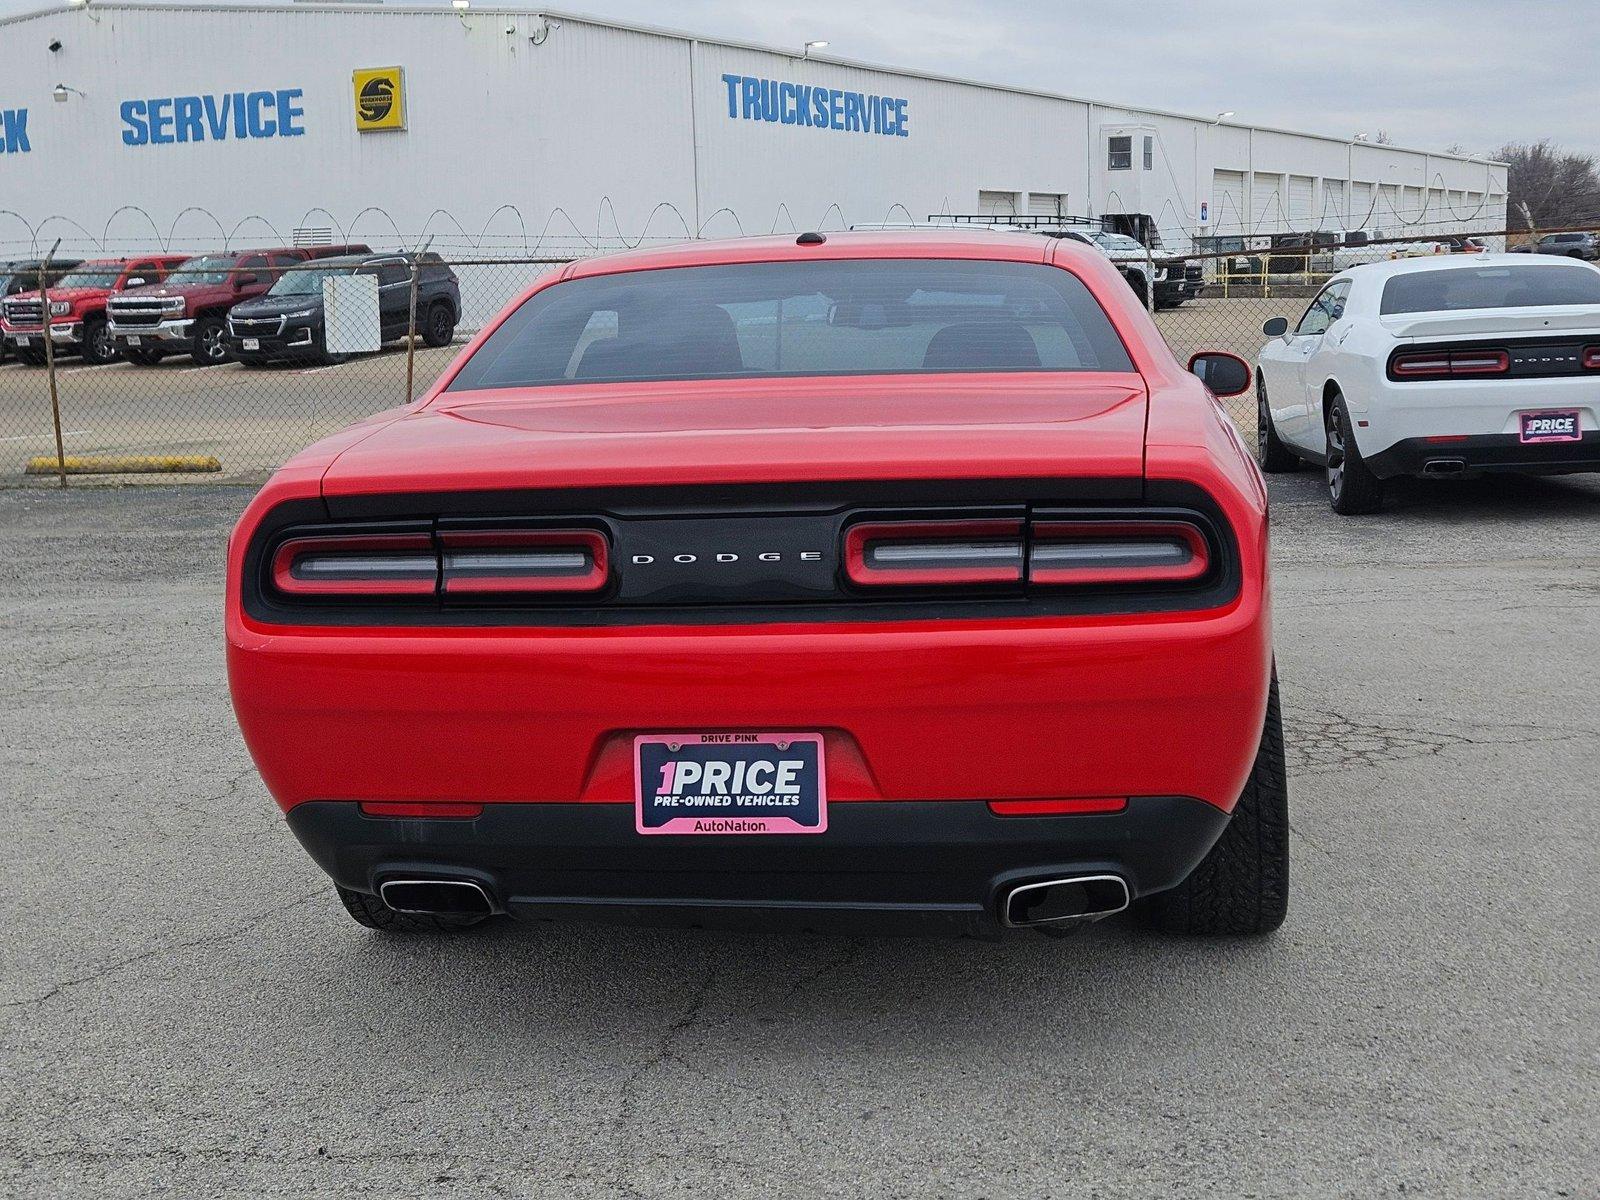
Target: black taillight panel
{"type": "Point", "coordinates": [807, 553]}
{"type": "Point", "coordinates": [1516, 358]}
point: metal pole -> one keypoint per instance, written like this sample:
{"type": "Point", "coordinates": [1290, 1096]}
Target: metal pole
{"type": "Point", "coordinates": [50, 359]}
{"type": "Point", "coordinates": [411, 332]}
{"type": "Point", "coordinates": [411, 321]}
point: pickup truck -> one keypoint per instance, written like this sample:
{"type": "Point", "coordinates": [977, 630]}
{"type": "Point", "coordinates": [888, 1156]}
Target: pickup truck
{"type": "Point", "coordinates": [22, 275]}
{"type": "Point", "coordinates": [186, 313]}
{"type": "Point", "coordinates": [77, 319]}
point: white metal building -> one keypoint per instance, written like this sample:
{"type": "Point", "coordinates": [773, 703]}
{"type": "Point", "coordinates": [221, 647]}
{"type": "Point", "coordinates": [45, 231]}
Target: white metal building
{"type": "Point", "coordinates": [126, 125]}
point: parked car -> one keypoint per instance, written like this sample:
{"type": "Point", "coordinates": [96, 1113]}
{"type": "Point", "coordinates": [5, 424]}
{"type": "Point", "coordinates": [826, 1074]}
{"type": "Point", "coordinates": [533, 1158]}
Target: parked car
{"type": "Point", "coordinates": [1132, 258]}
{"type": "Point", "coordinates": [1441, 366]}
{"type": "Point", "coordinates": [288, 322]}
{"type": "Point", "coordinates": [78, 307]}
{"type": "Point", "coordinates": [1570, 245]}
{"type": "Point", "coordinates": [671, 602]}
{"type": "Point", "coordinates": [186, 312]}
{"type": "Point", "coordinates": [23, 275]}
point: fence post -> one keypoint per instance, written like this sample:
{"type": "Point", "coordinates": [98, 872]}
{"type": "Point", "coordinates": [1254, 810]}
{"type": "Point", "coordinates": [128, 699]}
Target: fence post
{"type": "Point", "coordinates": [411, 328]}
{"type": "Point", "coordinates": [50, 359]}
{"type": "Point", "coordinates": [1149, 281]}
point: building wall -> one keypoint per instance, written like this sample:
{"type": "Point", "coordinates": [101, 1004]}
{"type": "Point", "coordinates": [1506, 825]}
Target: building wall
{"type": "Point", "coordinates": [602, 136]}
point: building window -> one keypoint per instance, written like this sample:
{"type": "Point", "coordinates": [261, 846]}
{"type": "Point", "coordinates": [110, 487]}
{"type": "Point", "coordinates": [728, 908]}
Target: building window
{"type": "Point", "coordinates": [1120, 156]}
{"type": "Point", "coordinates": [1149, 153]}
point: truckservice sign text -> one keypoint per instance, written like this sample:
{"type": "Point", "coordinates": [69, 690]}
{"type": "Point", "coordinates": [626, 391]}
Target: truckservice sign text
{"type": "Point", "coordinates": [784, 103]}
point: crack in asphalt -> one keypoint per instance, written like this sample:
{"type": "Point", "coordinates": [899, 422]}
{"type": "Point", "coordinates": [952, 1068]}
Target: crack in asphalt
{"type": "Point", "coordinates": [61, 986]}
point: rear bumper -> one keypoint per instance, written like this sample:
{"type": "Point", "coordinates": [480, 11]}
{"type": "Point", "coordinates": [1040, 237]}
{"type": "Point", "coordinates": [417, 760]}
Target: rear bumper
{"type": "Point", "coordinates": [939, 866]}
{"type": "Point", "coordinates": [1487, 452]}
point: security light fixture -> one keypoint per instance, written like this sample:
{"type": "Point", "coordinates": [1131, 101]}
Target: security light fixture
{"type": "Point", "coordinates": [810, 46]}
{"type": "Point", "coordinates": [61, 91]}
{"type": "Point", "coordinates": [1222, 116]}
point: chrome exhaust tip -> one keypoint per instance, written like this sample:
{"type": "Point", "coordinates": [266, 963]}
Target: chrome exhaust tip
{"type": "Point", "coordinates": [1061, 901]}
{"type": "Point", "coordinates": [1444, 466]}
{"type": "Point", "coordinates": [436, 897]}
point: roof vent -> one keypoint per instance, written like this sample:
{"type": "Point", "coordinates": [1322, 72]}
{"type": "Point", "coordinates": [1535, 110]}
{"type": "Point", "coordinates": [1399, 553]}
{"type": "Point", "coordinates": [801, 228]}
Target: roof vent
{"type": "Point", "coordinates": [311, 236]}
{"type": "Point", "coordinates": [811, 239]}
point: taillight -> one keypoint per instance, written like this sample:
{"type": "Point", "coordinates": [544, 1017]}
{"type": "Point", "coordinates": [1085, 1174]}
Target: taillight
{"type": "Point", "coordinates": [481, 562]}
{"type": "Point", "coordinates": [1046, 552]}
{"type": "Point", "coordinates": [1443, 364]}
{"type": "Point", "coordinates": [924, 553]}
{"type": "Point", "coordinates": [1102, 552]}
{"type": "Point", "coordinates": [1591, 358]}
{"type": "Point", "coordinates": [385, 564]}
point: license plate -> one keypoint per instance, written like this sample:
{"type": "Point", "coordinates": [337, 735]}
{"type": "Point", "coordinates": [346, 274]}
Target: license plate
{"type": "Point", "coordinates": [133, 341]}
{"type": "Point", "coordinates": [1551, 427]}
{"type": "Point", "coordinates": [729, 783]}
{"type": "Point", "coordinates": [22, 341]}
{"type": "Point", "coordinates": [250, 343]}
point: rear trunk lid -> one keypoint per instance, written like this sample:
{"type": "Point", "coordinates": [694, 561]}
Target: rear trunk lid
{"type": "Point", "coordinates": [1078, 426]}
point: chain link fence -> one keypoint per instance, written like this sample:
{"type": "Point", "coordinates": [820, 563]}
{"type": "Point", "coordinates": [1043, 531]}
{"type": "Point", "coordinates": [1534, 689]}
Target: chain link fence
{"type": "Point", "coordinates": [225, 367]}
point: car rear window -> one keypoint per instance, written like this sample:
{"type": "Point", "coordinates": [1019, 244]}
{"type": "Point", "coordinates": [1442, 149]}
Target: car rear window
{"type": "Point", "coordinates": [1491, 287]}
{"type": "Point", "coordinates": [829, 317]}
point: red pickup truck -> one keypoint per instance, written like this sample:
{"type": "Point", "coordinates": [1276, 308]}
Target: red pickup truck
{"type": "Point", "coordinates": [185, 312]}
{"type": "Point", "coordinates": [77, 318]}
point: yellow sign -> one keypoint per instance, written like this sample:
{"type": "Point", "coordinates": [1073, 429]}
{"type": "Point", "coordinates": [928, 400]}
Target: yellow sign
{"type": "Point", "coordinates": [380, 94]}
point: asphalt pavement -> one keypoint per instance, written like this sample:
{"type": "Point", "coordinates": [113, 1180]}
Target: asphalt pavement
{"type": "Point", "coordinates": [188, 1012]}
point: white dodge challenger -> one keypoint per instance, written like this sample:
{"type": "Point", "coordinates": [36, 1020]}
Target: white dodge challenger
{"type": "Point", "coordinates": [1435, 366]}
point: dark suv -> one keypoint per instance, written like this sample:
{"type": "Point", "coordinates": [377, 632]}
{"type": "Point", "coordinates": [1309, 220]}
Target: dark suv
{"type": "Point", "coordinates": [185, 312]}
{"type": "Point", "coordinates": [289, 321]}
{"type": "Point", "coordinates": [22, 275]}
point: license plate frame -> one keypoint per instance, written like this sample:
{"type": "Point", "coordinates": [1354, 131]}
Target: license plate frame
{"type": "Point", "coordinates": [1559, 425]}
{"type": "Point", "coordinates": [683, 801]}
{"type": "Point", "coordinates": [135, 340]}
{"type": "Point", "coordinates": [250, 343]}
{"type": "Point", "coordinates": [24, 341]}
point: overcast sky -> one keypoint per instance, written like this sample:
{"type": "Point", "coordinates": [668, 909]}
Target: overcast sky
{"type": "Point", "coordinates": [1432, 73]}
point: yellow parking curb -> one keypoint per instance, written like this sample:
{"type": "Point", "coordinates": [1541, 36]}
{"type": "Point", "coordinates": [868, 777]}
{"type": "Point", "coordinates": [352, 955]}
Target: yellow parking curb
{"type": "Point", "coordinates": [132, 464]}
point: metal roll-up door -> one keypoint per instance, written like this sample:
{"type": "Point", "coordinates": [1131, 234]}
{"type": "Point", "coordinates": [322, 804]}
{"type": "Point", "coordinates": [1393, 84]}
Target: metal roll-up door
{"type": "Point", "coordinates": [1301, 188]}
{"type": "Point", "coordinates": [1360, 205]}
{"type": "Point", "coordinates": [1266, 204]}
{"type": "Point", "coordinates": [1333, 209]}
{"type": "Point", "coordinates": [1047, 204]}
{"type": "Point", "coordinates": [1229, 215]}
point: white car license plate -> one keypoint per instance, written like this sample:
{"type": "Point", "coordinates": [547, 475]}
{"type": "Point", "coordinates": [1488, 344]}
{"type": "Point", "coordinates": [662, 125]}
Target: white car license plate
{"type": "Point", "coordinates": [250, 343]}
{"type": "Point", "coordinates": [22, 341]}
{"type": "Point", "coordinates": [133, 341]}
{"type": "Point", "coordinates": [1551, 427]}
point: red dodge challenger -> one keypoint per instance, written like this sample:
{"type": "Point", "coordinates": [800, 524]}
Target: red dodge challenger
{"type": "Point", "coordinates": [852, 579]}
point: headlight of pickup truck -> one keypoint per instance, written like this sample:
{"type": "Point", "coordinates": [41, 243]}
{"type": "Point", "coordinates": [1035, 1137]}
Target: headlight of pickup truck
{"type": "Point", "coordinates": [296, 316]}
{"type": "Point", "coordinates": [60, 308]}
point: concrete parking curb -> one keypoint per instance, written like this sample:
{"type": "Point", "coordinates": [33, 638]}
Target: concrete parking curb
{"type": "Point", "coordinates": [137, 464]}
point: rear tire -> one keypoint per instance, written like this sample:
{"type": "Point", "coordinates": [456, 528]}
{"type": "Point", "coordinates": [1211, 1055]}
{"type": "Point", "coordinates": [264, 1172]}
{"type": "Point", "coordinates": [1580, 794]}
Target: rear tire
{"type": "Point", "coordinates": [375, 914]}
{"type": "Point", "coordinates": [1352, 487]}
{"type": "Point", "coordinates": [439, 326]}
{"type": "Point", "coordinates": [1275, 458]}
{"type": "Point", "coordinates": [1242, 886]}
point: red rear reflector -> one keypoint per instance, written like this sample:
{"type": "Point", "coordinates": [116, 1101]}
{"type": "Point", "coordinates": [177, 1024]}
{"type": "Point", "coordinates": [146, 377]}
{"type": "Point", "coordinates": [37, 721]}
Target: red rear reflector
{"type": "Point", "coordinates": [419, 808]}
{"type": "Point", "coordinates": [912, 553]}
{"type": "Point", "coordinates": [1446, 437]}
{"type": "Point", "coordinates": [1090, 552]}
{"type": "Point", "coordinates": [381, 564]}
{"type": "Point", "coordinates": [524, 560]}
{"type": "Point", "coordinates": [1591, 358]}
{"type": "Point", "coordinates": [1056, 808]}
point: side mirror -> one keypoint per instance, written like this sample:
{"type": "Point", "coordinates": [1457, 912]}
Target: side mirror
{"type": "Point", "coordinates": [136, 281]}
{"type": "Point", "coordinates": [1276, 326]}
{"type": "Point", "coordinates": [245, 280]}
{"type": "Point", "coordinates": [1224, 374]}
